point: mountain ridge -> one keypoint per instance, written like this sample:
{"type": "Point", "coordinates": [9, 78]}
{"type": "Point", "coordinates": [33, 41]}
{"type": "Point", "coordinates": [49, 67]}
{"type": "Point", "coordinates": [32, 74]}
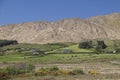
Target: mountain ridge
{"type": "Point", "coordinates": [66, 30]}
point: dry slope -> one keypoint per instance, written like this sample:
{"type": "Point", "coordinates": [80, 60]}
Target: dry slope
{"type": "Point", "coordinates": [67, 30]}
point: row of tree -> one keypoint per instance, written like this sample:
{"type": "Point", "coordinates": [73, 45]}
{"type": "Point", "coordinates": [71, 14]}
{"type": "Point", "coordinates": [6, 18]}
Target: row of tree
{"type": "Point", "coordinates": [98, 45]}
{"type": "Point", "coordinates": [7, 42]}
{"type": "Point", "coordinates": [90, 44]}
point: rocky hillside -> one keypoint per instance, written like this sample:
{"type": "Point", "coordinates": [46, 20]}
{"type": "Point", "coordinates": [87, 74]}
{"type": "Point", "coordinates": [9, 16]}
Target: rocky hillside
{"type": "Point", "coordinates": [67, 30]}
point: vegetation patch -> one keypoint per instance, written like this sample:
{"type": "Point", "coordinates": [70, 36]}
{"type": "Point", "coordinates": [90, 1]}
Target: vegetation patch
{"type": "Point", "coordinates": [55, 71]}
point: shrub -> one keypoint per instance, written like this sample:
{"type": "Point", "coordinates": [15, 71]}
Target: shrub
{"type": "Point", "coordinates": [20, 68]}
{"type": "Point", "coordinates": [117, 50]}
{"type": "Point", "coordinates": [53, 68]}
{"type": "Point", "coordinates": [24, 67]}
{"type": "Point", "coordinates": [3, 75]}
{"type": "Point", "coordinates": [78, 71]}
{"type": "Point", "coordinates": [71, 73]}
{"type": "Point", "coordinates": [30, 67]}
{"type": "Point", "coordinates": [11, 70]}
{"type": "Point", "coordinates": [101, 44]}
{"type": "Point", "coordinates": [42, 72]}
{"type": "Point", "coordinates": [85, 45]}
{"type": "Point", "coordinates": [94, 72]}
{"type": "Point", "coordinates": [65, 72]}
{"type": "Point", "coordinates": [54, 71]}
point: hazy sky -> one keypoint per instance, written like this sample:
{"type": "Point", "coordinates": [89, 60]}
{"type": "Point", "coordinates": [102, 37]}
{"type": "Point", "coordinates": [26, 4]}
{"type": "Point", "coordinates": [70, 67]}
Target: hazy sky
{"type": "Point", "coordinates": [19, 11]}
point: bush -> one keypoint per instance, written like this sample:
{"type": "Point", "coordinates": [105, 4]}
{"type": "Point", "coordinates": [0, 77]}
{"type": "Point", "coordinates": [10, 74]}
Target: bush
{"type": "Point", "coordinates": [42, 72]}
{"type": "Point", "coordinates": [25, 67]}
{"type": "Point", "coordinates": [11, 70]}
{"type": "Point", "coordinates": [85, 44]}
{"type": "Point", "coordinates": [64, 72]}
{"type": "Point", "coordinates": [4, 76]}
{"type": "Point", "coordinates": [117, 50]}
{"type": "Point", "coordinates": [101, 44]}
{"type": "Point", "coordinates": [53, 68]}
{"type": "Point", "coordinates": [71, 73]}
{"type": "Point", "coordinates": [20, 68]}
{"type": "Point", "coordinates": [100, 47]}
{"type": "Point", "coordinates": [94, 72]}
{"type": "Point", "coordinates": [54, 71]}
{"type": "Point", "coordinates": [78, 71]}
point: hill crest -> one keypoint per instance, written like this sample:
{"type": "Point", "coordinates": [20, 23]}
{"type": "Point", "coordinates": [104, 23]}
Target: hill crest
{"type": "Point", "coordinates": [66, 30]}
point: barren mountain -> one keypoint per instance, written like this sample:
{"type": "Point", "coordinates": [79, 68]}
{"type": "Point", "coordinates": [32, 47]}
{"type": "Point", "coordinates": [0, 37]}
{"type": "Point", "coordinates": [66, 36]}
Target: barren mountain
{"type": "Point", "coordinates": [67, 30]}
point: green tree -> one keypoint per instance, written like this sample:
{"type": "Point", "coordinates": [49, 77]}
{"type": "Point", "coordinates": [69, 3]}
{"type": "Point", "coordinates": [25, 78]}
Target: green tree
{"type": "Point", "coordinates": [117, 47]}
{"type": "Point", "coordinates": [101, 44]}
{"type": "Point", "coordinates": [100, 47]}
{"type": "Point", "coordinates": [85, 44]}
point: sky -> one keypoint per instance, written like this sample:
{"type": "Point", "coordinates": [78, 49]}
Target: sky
{"type": "Point", "coordinates": [20, 11]}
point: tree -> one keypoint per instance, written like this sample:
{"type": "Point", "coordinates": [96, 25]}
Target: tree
{"type": "Point", "coordinates": [117, 46]}
{"type": "Point", "coordinates": [98, 49]}
{"type": "Point", "coordinates": [85, 44]}
{"type": "Point", "coordinates": [7, 42]}
{"type": "Point", "coordinates": [100, 46]}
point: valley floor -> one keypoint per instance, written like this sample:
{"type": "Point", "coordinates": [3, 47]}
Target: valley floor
{"type": "Point", "coordinates": [105, 71]}
{"type": "Point", "coordinates": [103, 66]}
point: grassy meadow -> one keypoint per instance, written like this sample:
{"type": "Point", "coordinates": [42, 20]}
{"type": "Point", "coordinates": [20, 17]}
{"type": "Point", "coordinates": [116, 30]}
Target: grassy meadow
{"type": "Point", "coordinates": [102, 66]}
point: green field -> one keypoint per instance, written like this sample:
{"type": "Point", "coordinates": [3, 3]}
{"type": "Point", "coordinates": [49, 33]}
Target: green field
{"type": "Point", "coordinates": [60, 58]}
{"type": "Point", "coordinates": [75, 48]}
{"type": "Point", "coordinates": [13, 55]}
{"type": "Point", "coordinates": [85, 59]}
{"type": "Point", "coordinates": [45, 47]}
